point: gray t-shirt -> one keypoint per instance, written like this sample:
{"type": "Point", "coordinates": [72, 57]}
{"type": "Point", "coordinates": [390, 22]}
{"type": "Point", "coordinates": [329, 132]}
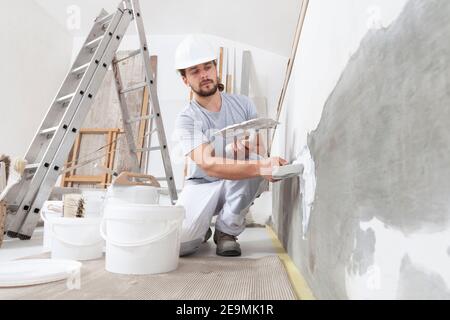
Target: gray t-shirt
{"type": "Point", "coordinates": [196, 126]}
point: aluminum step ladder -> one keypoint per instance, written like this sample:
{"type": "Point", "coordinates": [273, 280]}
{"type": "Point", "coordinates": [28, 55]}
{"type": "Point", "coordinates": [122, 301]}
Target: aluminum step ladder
{"type": "Point", "coordinates": [51, 145]}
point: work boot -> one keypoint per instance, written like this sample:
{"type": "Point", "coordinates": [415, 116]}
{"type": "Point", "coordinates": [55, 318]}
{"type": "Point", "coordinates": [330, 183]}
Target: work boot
{"type": "Point", "coordinates": [207, 235]}
{"type": "Point", "coordinates": [226, 245]}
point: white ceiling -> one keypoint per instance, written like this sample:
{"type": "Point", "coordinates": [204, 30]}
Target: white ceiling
{"type": "Point", "coordinates": [266, 24]}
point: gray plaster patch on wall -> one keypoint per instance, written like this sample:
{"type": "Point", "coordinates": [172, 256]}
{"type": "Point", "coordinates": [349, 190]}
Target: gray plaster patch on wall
{"type": "Point", "coordinates": [384, 138]}
{"type": "Point", "coordinates": [382, 148]}
{"type": "Point", "coordinates": [415, 283]}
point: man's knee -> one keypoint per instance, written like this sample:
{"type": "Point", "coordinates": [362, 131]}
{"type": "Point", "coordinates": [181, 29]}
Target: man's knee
{"type": "Point", "coordinates": [248, 186]}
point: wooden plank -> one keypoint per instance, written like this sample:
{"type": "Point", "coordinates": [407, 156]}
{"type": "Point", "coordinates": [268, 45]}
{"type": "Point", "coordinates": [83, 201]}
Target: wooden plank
{"type": "Point", "coordinates": [225, 67]}
{"type": "Point", "coordinates": [229, 87]}
{"type": "Point", "coordinates": [99, 130]}
{"type": "Point", "coordinates": [108, 156]}
{"type": "Point", "coordinates": [221, 64]}
{"type": "Point", "coordinates": [143, 125]}
{"type": "Point", "coordinates": [112, 154]}
{"type": "Point", "coordinates": [86, 179]}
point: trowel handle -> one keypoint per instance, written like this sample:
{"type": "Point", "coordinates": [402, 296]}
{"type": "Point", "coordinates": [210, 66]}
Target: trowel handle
{"type": "Point", "coordinates": [125, 179]}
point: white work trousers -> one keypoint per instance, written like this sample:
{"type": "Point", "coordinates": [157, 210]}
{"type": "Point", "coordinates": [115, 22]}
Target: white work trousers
{"type": "Point", "coordinates": [228, 199]}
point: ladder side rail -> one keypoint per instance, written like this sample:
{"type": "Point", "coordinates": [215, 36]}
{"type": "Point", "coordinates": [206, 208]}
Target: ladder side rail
{"type": "Point", "coordinates": [155, 102]}
{"type": "Point", "coordinates": [31, 220]}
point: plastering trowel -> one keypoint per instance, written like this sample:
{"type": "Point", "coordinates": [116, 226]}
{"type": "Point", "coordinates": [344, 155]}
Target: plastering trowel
{"type": "Point", "coordinates": [287, 171]}
{"type": "Point", "coordinates": [295, 169]}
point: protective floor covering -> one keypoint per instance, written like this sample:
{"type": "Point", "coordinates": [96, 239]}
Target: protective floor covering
{"type": "Point", "coordinates": [197, 278]}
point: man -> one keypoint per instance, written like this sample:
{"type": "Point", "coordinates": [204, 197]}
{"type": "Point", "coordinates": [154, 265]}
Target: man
{"type": "Point", "coordinates": [218, 183]}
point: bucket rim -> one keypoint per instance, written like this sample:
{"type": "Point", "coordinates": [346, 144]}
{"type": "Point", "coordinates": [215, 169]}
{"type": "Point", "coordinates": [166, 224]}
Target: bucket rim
{"type": "Point", "coordinates": [138, 205]}
{"type": "Point", "coordinates": [75, 221]}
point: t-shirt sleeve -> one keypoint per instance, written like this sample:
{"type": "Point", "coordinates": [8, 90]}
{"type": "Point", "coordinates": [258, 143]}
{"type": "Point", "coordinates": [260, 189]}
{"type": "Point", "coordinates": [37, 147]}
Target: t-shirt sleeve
{"type": "Point", "coordinates": [189, 133]}
{"type": "Point", "coordinates": [251, 110]}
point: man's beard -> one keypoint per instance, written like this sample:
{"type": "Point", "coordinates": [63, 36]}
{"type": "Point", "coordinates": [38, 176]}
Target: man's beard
{"type": "Point", "coordinates": [207, 93]}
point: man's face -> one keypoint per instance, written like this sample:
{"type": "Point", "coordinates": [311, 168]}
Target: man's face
{"type": "Point", "coordinates": [202, 79]}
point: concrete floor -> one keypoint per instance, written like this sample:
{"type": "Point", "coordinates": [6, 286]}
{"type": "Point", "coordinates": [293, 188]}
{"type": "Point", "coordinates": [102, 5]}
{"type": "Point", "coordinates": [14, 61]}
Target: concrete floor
{"type": "Point", "coordinates": [255, 243]}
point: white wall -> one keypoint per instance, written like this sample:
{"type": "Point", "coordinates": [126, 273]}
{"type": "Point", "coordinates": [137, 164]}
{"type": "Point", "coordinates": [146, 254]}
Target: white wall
{"type": "Point", "coordinates": [332, 32]}
{"type": "Point", "coordinates": [268, 24]}
{"type": "Point", "coordinates": [34, 60]}
{"type": "Point", "coordinates": [266, 80]}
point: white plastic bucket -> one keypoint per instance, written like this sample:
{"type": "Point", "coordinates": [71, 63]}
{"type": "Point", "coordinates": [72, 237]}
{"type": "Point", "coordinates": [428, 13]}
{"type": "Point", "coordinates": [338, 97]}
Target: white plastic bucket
{"type": "Point", "coordinates": [94, 200]}
{"type": "Point", "coordinates": [142, 239]}
{"type": "Point", "coordinates": [51, 210]}
{"type": "Point", "coordinates": [75, 238]}
{"type": "Point", "coordinates": [132, 195]}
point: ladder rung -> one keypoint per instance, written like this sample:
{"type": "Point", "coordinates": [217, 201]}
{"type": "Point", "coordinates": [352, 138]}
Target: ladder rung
{"type": "Point", "coordinates": [131, 55]}
{"type": "Point", "coordinates": [105, 19]}
{"type": "Point", "coordinates": [81, 69]}
{"type": "Point", "coordinates": [134, 88]}
{"type": "Point", "coordinates": [131, 120]}
{"type": "Point", "coordinates": [49, 130]}
{"type": "Point", "coordinates": [66, 98]}
{"type": "Point", "coordinates": [148, 149]}
{"type": "Point", "coordinates": [32, 167]}
{"type": "Point", "coordinates": [151, 133]}
{"type": "Point", "coordinates": [94, 43]}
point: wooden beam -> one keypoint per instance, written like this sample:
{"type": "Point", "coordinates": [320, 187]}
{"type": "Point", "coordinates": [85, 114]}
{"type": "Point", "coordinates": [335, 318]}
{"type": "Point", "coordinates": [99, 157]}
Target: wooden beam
{"type": "Point", "coordinates": [86, 179]}
{"type": "Point", "coordinates": [221, 64]}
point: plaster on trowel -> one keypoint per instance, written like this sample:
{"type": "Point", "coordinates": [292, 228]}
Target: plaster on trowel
{"type": "Point", "coordinates": [242, 129]}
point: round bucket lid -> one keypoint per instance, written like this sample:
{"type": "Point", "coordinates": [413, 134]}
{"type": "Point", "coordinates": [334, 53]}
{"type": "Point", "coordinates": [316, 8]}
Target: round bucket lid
{"type": "Point", "coordinates": [36, 271]}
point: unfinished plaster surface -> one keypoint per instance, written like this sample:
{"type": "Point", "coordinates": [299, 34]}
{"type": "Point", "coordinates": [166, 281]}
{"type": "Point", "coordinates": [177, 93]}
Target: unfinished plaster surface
{"type": "Point", "coordinates": [419, 283]}
{"type": "Point", "coordinates": [382, 154]}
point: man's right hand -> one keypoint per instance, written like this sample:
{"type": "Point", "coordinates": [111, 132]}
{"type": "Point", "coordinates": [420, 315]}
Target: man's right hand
{"type": "Point", "coordinates": [266, 167]}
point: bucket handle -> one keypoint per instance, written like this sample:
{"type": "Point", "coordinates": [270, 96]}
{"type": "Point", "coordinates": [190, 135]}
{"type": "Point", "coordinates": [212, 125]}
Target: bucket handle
{"type": "Point", "coordinates": [125, 179]}
{"type": "Point", "coordinates": [57, 237]}
{"type": "Point", "coordinates": [170, 227]}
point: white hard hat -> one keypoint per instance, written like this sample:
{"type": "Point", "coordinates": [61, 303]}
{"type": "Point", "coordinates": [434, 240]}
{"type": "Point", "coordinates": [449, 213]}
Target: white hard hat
{"type": "Point", "coordinates": [193, 50]}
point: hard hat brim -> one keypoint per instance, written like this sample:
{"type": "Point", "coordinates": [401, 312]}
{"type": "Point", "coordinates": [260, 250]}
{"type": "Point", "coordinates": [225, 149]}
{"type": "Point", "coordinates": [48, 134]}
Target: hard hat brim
{"type": "Point", "coordinates": [183, 66]}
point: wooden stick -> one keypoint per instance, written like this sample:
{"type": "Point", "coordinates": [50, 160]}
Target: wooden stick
{"type": "Point", "coordinates": [229, 83]}
{"type": "Point", "coordinates": [143, 125]}
{"type": "Point", "coordinates": [221, 64]}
